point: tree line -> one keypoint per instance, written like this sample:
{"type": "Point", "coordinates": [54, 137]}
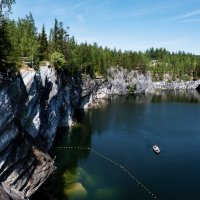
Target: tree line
{"type": "Point", "coordinates": [20, 41]}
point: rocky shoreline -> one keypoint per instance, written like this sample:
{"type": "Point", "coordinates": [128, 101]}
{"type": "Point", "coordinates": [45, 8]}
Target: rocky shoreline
{"type": "Point", "coordinates": [34, 104]}
{"type": "Point", "coordinates": [122, 82]}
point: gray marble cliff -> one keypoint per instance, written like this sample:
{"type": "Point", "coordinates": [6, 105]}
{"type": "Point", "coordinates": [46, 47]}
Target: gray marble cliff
{"type": "Point", "coordinates": [33, 104]}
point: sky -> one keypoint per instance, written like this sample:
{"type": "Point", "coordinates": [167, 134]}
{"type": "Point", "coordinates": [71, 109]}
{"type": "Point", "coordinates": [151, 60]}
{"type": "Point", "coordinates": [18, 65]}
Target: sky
{"type": "Point", "coordinates": [135, 25]}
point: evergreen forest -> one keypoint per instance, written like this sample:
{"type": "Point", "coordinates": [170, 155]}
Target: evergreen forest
{"type": "Point", "coordinates": [21, 43]}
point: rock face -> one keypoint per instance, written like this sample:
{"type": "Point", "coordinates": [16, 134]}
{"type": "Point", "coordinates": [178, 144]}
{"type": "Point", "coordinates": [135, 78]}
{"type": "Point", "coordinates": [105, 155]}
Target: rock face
{"type": "Point", "coordinates": [50, 102]}
{"type": "Point", "coordinates": [182, 85]}
{"type": "Point", "coordinates": [33, 104]}
{"type": "Point", "coordinates": [122, 81]}
{"type": "Point", "coordinates": [23, 169]}
{"type": "Point", "coordinates": [119, 82]}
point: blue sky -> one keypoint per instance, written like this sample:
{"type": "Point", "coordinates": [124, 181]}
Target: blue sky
{"type": "Point", "coordinates": [122, 24]}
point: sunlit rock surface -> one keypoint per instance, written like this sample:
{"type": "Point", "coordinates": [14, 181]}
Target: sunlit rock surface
{"type": "Point", "coordinates": [23, 169]}
{"type": "Point", "coordinates": [122, 81]}
{"type": "Point", "coordinates": [51, 100]}
{"type": "Point", "coordinates": [181, 85]}
{"type": "Point", "coordinates": [118, 82]}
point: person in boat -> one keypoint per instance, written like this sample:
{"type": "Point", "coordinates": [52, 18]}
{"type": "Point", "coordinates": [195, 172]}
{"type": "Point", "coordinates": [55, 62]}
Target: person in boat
{"type": "Point", "coordinates": [156, 149]}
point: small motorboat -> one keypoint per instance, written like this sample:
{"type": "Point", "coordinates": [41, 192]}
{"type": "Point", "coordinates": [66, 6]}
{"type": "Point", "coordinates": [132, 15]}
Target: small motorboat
{"type": "Point", "coordinates": [156, 149]}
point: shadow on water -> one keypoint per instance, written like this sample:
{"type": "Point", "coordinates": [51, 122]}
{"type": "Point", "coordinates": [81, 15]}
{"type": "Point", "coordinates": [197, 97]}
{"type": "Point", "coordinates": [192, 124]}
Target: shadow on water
{"type": "Point", "coordinates": [184, 96]}
{"type": "Point", "coordinates": [65, 180]}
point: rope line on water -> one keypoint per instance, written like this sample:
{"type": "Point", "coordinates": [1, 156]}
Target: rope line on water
{"type": "Point", "coordinates": [115, 163]}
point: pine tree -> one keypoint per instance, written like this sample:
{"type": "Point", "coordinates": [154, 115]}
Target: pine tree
{"type": "Point", "coordinates": [27, 38]}
{"type": "Point", "coordinates": [43, 49]}
{"type": "Point", "coordinates": [5, 44]}
{"type": "Point", "coordinates": [5, 5]}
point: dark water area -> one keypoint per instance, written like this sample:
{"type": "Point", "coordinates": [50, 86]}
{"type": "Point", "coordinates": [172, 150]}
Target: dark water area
{"type": "Point", "coordinates": [123, 131]}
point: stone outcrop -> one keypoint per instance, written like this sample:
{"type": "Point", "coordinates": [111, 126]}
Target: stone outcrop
{"type": "Point", "coordinates": [181, 85]}
{"type": "Point", "coordinates": [122, 81]}
{"type": "Point", "coordinates": [23, 169]}
{"type": "Point", "coordinates": [118, 82]}
{"type": "Point", "coordinates": [33, 104]}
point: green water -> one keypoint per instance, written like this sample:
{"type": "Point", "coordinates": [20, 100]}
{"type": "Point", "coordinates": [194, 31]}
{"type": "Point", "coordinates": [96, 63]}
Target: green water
{"type": "Point", "coordinates": [120, 163]}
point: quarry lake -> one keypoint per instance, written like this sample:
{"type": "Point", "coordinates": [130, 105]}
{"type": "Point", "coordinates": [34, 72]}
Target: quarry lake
{"type": "Point", "coordinates": [108, 154]}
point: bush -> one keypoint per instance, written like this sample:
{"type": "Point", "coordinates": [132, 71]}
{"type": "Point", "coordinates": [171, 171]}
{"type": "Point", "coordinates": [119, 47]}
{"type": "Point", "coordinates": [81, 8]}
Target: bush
{"type": "Point", "coordinates": [131, 89]}
{"type": "Point", "coordinates": [58, 60]}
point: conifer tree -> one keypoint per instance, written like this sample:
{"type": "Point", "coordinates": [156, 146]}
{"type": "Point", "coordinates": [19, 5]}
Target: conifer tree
{"type": "Point", "coordinates": [5, 6]}
{"type": "Point", "coordinates": [5, 44]}
{"type": "Point", "coordinates": [43, 48]}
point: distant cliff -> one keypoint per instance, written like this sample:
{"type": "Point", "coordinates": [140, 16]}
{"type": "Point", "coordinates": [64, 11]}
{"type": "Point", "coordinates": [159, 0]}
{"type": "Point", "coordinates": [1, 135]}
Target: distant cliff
{"type": "Point", "coordinates": [33, 104]}
{"type": "Point", "coordinates": [122, 82]}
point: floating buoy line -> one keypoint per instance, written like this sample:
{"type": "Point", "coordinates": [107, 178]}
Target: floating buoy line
{"type": "Point", "coordinates": [115, 163]}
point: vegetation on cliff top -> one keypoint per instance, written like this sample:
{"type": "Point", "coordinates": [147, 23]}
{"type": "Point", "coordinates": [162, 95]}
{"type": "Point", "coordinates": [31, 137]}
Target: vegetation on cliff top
{"type": "Point", "coordinates": [21, 43]}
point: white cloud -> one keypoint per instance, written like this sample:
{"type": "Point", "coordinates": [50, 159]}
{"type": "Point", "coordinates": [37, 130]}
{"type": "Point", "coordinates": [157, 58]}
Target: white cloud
{"type": "Point", "coordinates": [188, 17]}
{"type": "Point", "coordinates": [190, 20]}
{"type": "Point", "coordinates": [190, 14]}
{"type": "Point", "coordinates": [137, 12]}
{"type": "Point", "coordinates": [184, 18]}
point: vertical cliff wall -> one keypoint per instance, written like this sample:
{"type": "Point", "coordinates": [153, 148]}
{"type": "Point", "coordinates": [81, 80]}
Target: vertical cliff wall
{"type": "Point", "coordinates": [50, 102]}
{"type": "Point", "coordinates": [32, 105]}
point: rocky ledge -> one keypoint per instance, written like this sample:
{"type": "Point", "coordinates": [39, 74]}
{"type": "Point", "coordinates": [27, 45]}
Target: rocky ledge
{"type": "Point", "coordinates": [181, 85]}
{"type": "Point", "coordinates": [23, 169]}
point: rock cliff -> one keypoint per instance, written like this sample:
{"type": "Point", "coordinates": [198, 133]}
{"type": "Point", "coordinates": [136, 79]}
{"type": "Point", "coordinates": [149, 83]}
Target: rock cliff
{"type": "Point", "coordinates": [122, 81]}
{"type": "Point", "coordinates": [33, 104]}
{"type": "Point", "coordinates": [118, 82]}
{"type": "Point", "coordinates": [23, 166]}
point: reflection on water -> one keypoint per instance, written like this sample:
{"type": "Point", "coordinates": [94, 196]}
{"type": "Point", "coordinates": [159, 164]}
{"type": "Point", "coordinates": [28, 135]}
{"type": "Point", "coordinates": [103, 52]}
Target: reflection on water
{"type": "Point", "coordinates": [189, 96]}
{"type": "Point", "coordinates": [124, 129]}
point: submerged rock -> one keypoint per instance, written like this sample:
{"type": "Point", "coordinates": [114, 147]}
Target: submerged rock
{"type": "Point", "coordinates": [75, 191]}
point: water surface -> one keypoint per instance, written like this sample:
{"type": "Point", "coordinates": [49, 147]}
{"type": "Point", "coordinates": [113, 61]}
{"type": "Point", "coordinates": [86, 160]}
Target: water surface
{"type": "Point", "coordinates": [124, 130]}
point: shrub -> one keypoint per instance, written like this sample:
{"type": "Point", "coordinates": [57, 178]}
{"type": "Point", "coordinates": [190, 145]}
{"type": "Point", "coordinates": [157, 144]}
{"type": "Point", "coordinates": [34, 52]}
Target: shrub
{"type": "Point", "coordinates": [58, 60]}
{"type": "Point", "coordinates": [131, 89]}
